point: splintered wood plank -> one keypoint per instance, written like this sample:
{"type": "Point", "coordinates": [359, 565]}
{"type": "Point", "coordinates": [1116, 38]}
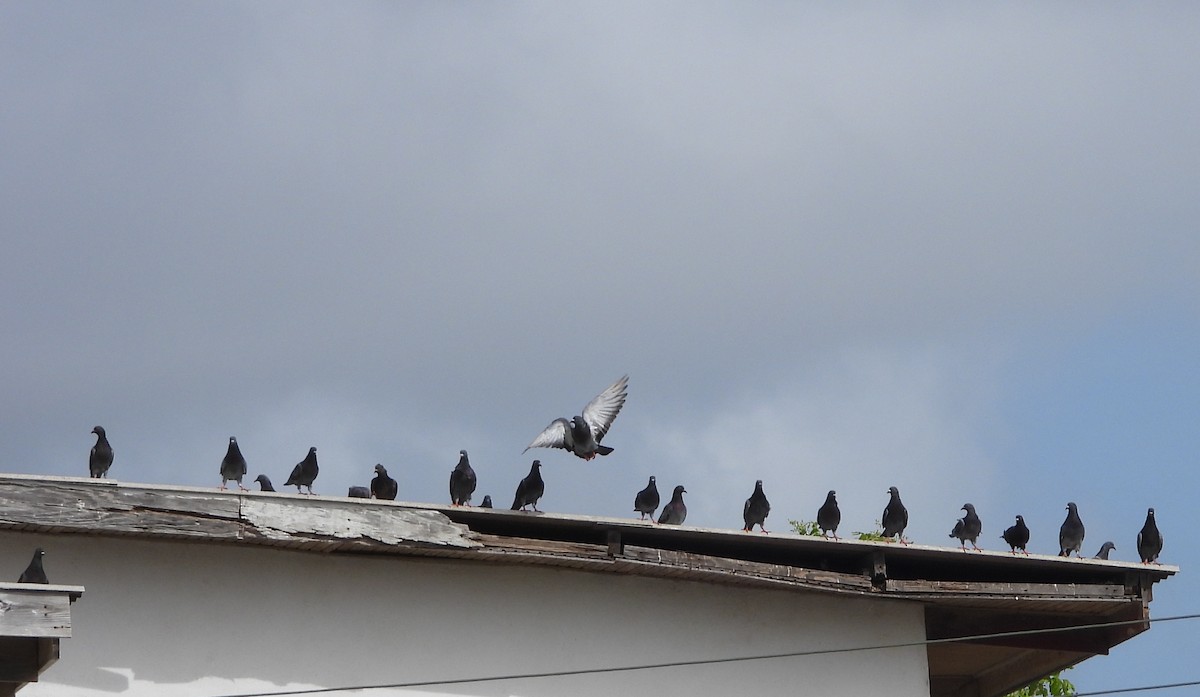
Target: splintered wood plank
{"type": "Point", "coordinates": [27, 613]}
{"type": "Point", "coordinates": [279, 518]}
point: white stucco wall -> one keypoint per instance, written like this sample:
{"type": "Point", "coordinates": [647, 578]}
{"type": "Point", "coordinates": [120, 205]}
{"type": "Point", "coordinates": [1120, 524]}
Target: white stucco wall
{"type": "Point", "coordinates": [164, 619]}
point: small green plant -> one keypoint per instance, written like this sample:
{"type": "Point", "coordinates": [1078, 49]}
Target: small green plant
{"type": "Point", "coordinates": [875, 535]}
{"type": "Point", "coordinates": [1052, 685]}
{"type": "Point", "coordinates": [805, 527]}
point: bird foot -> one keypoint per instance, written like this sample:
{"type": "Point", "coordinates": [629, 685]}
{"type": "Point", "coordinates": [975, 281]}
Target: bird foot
{"type": "Point", "coordinates": [242, 488]}
{"type": "Point", "coordinates": [766, 531]}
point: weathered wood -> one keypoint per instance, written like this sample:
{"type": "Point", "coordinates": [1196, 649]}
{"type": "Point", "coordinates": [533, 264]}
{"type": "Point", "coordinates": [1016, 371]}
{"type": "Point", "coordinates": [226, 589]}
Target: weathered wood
{"type": "Point", "coordinates": [25, 613]}
{"type": "Point", "coordinates": [64, 505]}
{"type": "Point", "coordinates": [277, 518]}
{"type": "Point", "coordinates": [1057, 590]}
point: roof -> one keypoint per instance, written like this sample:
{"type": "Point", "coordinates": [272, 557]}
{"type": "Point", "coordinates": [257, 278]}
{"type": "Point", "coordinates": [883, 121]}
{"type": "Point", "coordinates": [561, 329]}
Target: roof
{"type": "Point", "coordinates": [962, 593]}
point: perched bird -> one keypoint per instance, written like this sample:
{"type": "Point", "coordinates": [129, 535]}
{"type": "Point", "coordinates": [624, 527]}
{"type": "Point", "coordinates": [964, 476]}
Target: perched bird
{"type": "Point", "coordinates": [581, 435]}
{"type": "Point", "coordinates": [487, 502]}
{"type": "Point", "coordinates": [968, 528]}
{"type": "Point", "coordinates": [895, 517]}
{"type": "Point", "coordinates": [1149, 540]}
{"type": "Point", "coordinates": [1070, 535]}
{"type": "Point", "coordinates": [675, 512]}
{"type": "Point", "coordinates": [1017, 536]}
{"type": "Point", "coordinates": [462, 481]}
{"type": "Point", "coordinates": [756, 509]}
{"type": "Point", "coordinates": [234, 465]}
{"type": "Point", "coordinates": [1104, 550]}
{"type": "Point", "coordinates": [359, 492]}
{"type": "Point", "coordinates": [101, 457]}
{"type": "Point", "coordinates": [264, 483]}
{"type": "Point", "coordinates": [646, 501]}
{"type": "Point", "coordinates": [305, 472]}
{"type": "Point", "coordinates": [382, 486]}
{"type": "Point", "coordinates": [829, 517]}
{"type": "Point", "coordinates": [530, 489]}
{"type": "Point", "coordinates": [34, 573]}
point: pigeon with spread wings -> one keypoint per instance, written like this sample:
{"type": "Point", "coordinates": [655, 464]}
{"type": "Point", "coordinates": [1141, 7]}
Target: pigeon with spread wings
{"type": "Point", "coordinates": [581, 435]}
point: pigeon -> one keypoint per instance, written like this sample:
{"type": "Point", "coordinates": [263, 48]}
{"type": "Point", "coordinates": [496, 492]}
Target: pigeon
{"type": "Point", "coordinates": [101, 457]}
{"type": "Point", "coordinates": [581, 435]}
{"type": "Point", "coordinates": [1070, 535]}
{"type": "Point", "coordinates": [646, 501]}
{"type": "Point", "coordinates": [968, 528]}
{"type": "Point", "coordinates": [895, 517]}
{"type": "Point", "coordinates": [359, 492]}
{"type": "Point", "coordinates": [34, 573]}
{"type": "Point", "coordinates": [384, 487]}
{"type": "Point", "coordinates": [756, 509]}
{"type": "Point", "coordinates": [264, 483]}
{"type": "Point", "coordinates": [530, 489]}
{"type": "Point", "coordinates": [675, 512]}
{"type": "Point", "coordinates": [487, 502]}
{"type": "Point", "coordinates": [1104, 550]}
{"type": "Point", "coordinates": [304, 472]}
{"type": "Point", "coordinates": [1017, 536]}
{"type": "Point", "coordinates": [829, 516]}
{"type": "Point", "coordinates": [1150, 540]}
{"type": "Point", "coordinates": [462, 481]}
{"type": "Point", "coordinates": [234, 465]}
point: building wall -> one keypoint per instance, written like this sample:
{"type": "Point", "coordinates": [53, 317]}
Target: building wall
{"type": "Point", "coordinates": [170, 619]}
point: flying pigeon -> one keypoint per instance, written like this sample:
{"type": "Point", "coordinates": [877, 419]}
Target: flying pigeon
{"type": "Point", "coordinates": [384, 487]}
{"type": "Point", "coordinates": [487, 502]}
{"type": "Point", "coordinates": [304, 472]}
{"type": "Point", "coordinates": [675, 512]}
{"type": "Point", "coordinates": [756, 509]}
{"type": "Point", "coordinates": [101, 457]}
{"type": "Point", "coordinates": [530, 489]}
{"type": "Point", "coordinates": [359, 492]}
{"type": "Point", "coordinates": [968, 528]}
{"type": "Point", "coordinates": [1149, 540]}
{"type": "Point", "coordinates": [34, 573]}
{"type": "Point", "coordinates": [264, 483]}
{"type": "Point", "coordinates": [646, 501]}
{"type": "Point", "coordinates": [462, 481]}
{"type": "Point", "coordinates": [829, 516]}
{"type": "Point", "coordinates": [1104, 550]}
{"type": "Point", "coordinates": [1017, 536]}
{"type": "Point", "coordinates": [582, 434]}
{"type": "Point", "coordinates": [1070, 535]}
{"type": "Point", "coordinates": [895, 517]}
{"type": "Point", "coordinates": [234, 465]}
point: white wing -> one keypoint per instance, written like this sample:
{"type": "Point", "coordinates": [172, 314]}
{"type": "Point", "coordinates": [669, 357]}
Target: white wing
{"type": "Point", "coordinates": [603, 409]}
{"type": "Point", "coordinates": [555, 436]}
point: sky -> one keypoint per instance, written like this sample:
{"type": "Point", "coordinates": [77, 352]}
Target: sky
{"type": "Point", "coordinates": [950, 248]}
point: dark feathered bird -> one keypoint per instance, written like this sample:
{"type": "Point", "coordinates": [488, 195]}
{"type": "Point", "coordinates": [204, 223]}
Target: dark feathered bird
{"type": "Point", "coordinates": [582, 434]}
{"type": "Point", "coordinates": [530, 489]}
{"type": "Point", "coordinates": [895, 517]}
{"type": "Point", "coordinates": [34, 573]}
{"type": "Point", "coordinates": [1149, 540]}
{"type": "Point", "coordinates": [1017, 536]}
{"type": "Point", "coordinates": [264, 483]}
{"type": "Point", "coordinates": [359, 492]}
{"type": "Point", "coordinates": [462, 481]}
{"type": "Point", "coordinates": [305, 472]}
{"type": "Point", "coordinates": [384, 487]}
{"type": "Point", "coordinates": [487, 502]}
{"type": "Point", "coordinates": [829, 516]}
{"type": "Point", "coordinates": [101, 457]}
{"type": "Point", "coordinates": [967, 528]}
{"type": "Point", "coordinates": [756, 509]}
{"type": "Point", "coordinates": [1104, 550]}
{"type": "Point", "coordinates": [233, 466]}
{"type": "Point", "coordinates": [647, 500]}
{"type": "Point", "coordinates": [1070, 534]}
{"type": "Point", "coordinates": [675, 512]}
